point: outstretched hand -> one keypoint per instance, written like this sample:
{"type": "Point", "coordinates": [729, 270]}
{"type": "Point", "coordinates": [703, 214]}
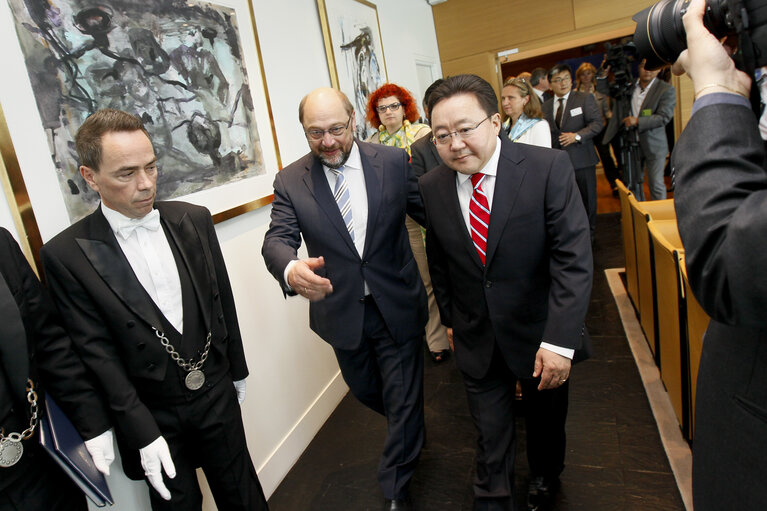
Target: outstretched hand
{"type": "Point", "coordinates": [305, 282]}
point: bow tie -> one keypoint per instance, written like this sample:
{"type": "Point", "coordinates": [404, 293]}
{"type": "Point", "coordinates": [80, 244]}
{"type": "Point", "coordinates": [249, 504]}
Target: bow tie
{"type": "Point", "coordinates": [149, 221]}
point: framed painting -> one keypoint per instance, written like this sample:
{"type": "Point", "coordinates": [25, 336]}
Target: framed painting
{"type": "Point", "coordinates": [355, 52]}
{"type": "Point", "coordinates": [190, 69]}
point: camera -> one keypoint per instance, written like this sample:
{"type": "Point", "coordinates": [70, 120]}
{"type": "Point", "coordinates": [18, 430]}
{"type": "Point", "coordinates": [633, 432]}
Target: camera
{"type": "Point", "coordinates": [619, 57]}
{"type": "Point", "coordinates": [660, 36]}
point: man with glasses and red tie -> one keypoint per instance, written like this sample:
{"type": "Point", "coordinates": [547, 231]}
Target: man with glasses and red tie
{"type": "Point", "coordinates": [575, 120]}
{"type": "Point", "coordinates": [508, 246]}
{"type": "Point", "coordinates": [348, 200]}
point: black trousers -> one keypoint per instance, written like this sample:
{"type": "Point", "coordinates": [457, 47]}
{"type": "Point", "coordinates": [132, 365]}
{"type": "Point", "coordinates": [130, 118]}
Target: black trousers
{"type": "Point", "coordinates": [491, 403]}
{"type": "Point", "coordinates": [208, 432]}
{"type": "Point", "coordinates": [608, 163]}
{"type": "Point", "coordinates": [586, 180]}
{"type": "Point", "coordinates": [388, 378]}
{"type": "Point", "coordinates": [40, 486]}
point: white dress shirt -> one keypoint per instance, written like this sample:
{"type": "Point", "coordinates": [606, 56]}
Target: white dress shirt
{"type": "Point", "coordinates": [637, 98]}
{"type": "Point", "coordinates": [539, 93]}
{"type": "Point", "coordinates": [358, 195]}
{"type": "Point", "coordinates": [465, 189]}
{"type": "Point", "coordinates": [152, 261]}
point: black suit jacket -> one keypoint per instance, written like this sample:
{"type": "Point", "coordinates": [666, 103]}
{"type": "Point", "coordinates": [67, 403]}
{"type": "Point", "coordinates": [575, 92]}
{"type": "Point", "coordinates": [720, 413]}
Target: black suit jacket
{"type": "Point", "coordinates": [536, 282]}
{"type": "Point", "coordinates": [588, 124]}
{"type": "Point", "coordinates": [424, 156]}
{"type": "Point", "coordinates": [45, 354]}
{"type": "Point", "coordinates": [721, 204]}
{"type": "Point", "coordinates": [304, 206]}
{"type": "Point", "coordinates": [110, 316]}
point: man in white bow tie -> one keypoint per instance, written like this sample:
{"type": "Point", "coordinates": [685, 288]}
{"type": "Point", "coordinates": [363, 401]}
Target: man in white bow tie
{"type": "Point", "coordinates": [145, 295]}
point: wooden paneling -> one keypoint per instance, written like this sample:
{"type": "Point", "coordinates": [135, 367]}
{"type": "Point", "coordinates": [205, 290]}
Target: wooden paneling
{"type": "Point", "coordinates": [482, 65]}
{"type": "Point", "coordinates": [685, 96]}
{"type": "Point", "coordinates": [469, 27]}
{"type": "Point", "coordinates": [595, 12]}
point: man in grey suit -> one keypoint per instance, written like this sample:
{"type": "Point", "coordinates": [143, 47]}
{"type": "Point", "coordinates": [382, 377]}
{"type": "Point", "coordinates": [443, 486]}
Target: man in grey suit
{"type": "Point", "coordinates": [575, 120]}
{"type": "Point", "coordinates": [348, 199]}
{"type": "Point", "coordinates": [652, 107]}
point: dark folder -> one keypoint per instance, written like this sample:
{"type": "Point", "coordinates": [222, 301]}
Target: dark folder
{"type": "Point", "coordinates": [61, 440]}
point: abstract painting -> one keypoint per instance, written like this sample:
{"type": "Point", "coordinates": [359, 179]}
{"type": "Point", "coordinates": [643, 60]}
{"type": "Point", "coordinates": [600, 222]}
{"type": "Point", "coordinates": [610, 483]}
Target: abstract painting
{"type": "Point", "coordinates": [355, 52]}
{"type": "Point", "coordinates": [179, 65]}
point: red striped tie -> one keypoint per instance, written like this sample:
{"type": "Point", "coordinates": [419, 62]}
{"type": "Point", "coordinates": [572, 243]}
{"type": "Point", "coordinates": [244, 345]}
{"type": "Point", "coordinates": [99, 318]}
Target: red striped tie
{"type": "Point", "coordinates": [479, 214]}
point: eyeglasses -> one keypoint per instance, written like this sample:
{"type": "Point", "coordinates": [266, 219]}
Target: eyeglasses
{"type": "Point", "coordinates": [393, 107]}
{"type": "Point", "coordinates": [445, 138]}
{"type": "Point", "coordinates": [336, 131]}
{"type": "Point", "coordinates": [566, 79]}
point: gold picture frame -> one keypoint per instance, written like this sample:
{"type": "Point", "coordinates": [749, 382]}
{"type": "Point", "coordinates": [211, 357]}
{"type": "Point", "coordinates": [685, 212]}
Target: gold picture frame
{"type": "Point", "coordinates": [35, 208]}
{"type": "Point", "coordinates": [354, 48]}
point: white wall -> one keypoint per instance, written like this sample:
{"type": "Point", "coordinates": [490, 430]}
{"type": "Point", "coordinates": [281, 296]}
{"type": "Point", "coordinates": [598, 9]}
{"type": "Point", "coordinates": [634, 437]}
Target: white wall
{"type": "Point", "coordinates": [294, 381]}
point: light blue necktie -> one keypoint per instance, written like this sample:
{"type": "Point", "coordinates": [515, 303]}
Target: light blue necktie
{"type": "Point", "coordinates": [343, 199]}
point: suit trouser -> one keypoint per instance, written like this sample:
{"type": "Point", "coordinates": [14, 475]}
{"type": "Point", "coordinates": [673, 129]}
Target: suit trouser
{"type": "Point", "coordinates": [586, 180]}
{"type": "Point", "coordinates": [491, 403]}
{"type": "Point", "coordinates": [208, 433]}
{"type": "Point", "coordinates": [545, 418]}
{"type": "Point", "coordinates": [42, 485]}
{"type": "Point", "coordinates": [608, 163]}
{"type": "Point", "coordinates": [388, 378]}
{"type": "Point", "coordinates": [654, 166]}
{"type": "Point", "coordinates": [436, 333]}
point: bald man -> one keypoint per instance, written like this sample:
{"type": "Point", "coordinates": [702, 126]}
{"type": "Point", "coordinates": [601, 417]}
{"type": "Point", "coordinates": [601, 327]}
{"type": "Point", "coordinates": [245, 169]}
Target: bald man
{"type": "Point", "coordinates": [348, 199]}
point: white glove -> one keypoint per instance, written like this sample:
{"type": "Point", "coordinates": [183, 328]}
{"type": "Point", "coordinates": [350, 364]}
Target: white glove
{"type": "Point", "coordinates": [102, 450]}
{"type": "Point", "coordinates": [155, 457]}
{"type": "Point", "coordinates": [239, 386]}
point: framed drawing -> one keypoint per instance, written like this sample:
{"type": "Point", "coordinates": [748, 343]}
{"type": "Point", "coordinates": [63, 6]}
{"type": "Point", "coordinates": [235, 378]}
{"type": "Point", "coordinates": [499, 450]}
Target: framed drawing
{"type": "Point", "coordinates": [190, 69]}
{"type": "Point", "coordinates": [355, 52]}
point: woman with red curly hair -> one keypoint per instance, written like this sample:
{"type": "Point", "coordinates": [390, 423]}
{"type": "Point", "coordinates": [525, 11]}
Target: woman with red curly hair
{"type": "Point", "coordinates": [393, 111]}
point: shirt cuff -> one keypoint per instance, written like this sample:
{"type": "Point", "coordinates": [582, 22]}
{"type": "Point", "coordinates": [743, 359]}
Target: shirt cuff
{"type": "Point", "coordinates": [559, 350]}
{"type": "Point", "coordinates": [719, 98]}
{"type": "Point", "coordinates": [285, 274]}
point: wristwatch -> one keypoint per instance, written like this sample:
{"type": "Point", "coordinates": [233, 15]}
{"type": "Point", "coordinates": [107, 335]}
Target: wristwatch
{"type": "Point", "coordinates": [578, 138]}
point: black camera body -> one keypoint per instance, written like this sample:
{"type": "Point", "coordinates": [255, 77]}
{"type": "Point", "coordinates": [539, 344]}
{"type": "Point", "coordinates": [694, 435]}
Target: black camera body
{"type": "Point", "coordinates": [660, 36]}
{"type": "Point", "coordinates": [618, 57]}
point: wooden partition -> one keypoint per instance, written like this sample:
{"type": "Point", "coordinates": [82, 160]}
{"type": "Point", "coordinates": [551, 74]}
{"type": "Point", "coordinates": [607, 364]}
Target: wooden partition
{"type": "Point", "coordinates": [642, 213]}
{"type": "Point", "coordinates": [696, 323]}
{"type": "Point", "coordinates": [629, 244]}
{"type": "Point", "coordinates": [672, 342]}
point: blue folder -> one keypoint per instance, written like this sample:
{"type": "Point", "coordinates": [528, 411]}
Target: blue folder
{"type": "Point", "coordinates": [61, 440]}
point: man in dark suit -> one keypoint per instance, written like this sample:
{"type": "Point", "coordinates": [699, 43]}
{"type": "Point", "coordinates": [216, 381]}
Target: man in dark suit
{"type": "Point", "coordinates": [144, 292]}
{"type": "Point", "coordinates": [652, 107]}
{"type": "Point", "coordinates": [575, 120]}
{"type": "Point", "coordinates": [423, 153]}
{"type": "Point", "coordinates": [348, 199]}
{"type": "Point", "coordinates": [509, 253]}
{"type": "Point", "coordinates": [540, 81]}
{"type": "Point", "coordinates": [36, 360]}
{"type": "Point", "coordinates": [721, 204]}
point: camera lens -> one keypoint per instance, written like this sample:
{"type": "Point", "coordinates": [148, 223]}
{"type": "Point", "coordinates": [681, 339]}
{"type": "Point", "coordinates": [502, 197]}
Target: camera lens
{"type": "Point", "coordinates": [660, 35]}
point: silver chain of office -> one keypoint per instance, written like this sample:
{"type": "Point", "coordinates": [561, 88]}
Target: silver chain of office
{"type": "Point", "coordinates": [11, 449]}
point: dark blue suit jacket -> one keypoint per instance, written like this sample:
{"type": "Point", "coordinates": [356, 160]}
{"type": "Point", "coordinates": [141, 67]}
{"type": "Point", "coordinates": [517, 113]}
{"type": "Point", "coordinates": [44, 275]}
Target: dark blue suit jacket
{"type": "Point", "coordinates": [536, 283]}
{"type": "Point", "coordinates": [304, 206]}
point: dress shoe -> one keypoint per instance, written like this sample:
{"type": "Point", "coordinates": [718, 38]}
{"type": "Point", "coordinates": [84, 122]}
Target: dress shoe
{"type": "Point", "coordinates": [397, 505]}
{"type": "Point", "coordinates": [540, 493]}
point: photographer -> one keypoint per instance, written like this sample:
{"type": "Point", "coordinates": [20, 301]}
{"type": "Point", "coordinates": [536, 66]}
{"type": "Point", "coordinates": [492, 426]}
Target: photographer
{"type": "Point", "coordinates": [651, 107]}
{"type": "Point", "coordinates": [721, 203]}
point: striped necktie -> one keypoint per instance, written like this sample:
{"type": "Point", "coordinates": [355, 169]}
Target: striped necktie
{"type": "Point", "coordinates": [479, 215]}
{"type": "Point", "coordinates": [343, 199]}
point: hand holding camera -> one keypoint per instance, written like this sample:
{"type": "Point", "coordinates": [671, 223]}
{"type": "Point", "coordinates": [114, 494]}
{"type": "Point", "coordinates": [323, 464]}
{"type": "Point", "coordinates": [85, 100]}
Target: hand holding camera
{"type": "Point", "coordinates": [706, 61]}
